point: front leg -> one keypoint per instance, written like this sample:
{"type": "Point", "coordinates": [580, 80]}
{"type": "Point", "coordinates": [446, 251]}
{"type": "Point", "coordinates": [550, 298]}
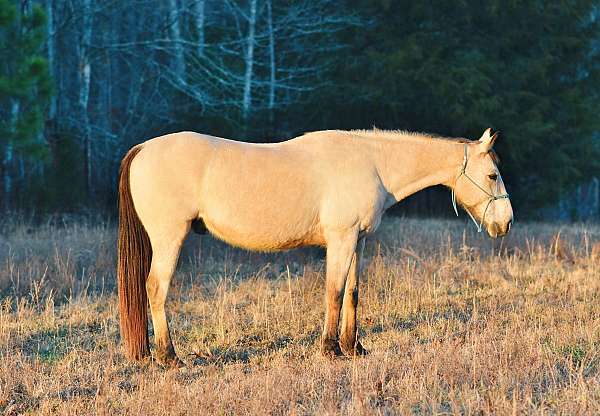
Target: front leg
{"type": "Point", "coordinates": [349, 342]}
{"type": "Point", "coordinates": [340, 251]}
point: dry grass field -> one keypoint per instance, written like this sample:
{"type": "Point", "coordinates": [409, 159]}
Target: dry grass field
{"type": "Point", "coordinates": [455, 323]}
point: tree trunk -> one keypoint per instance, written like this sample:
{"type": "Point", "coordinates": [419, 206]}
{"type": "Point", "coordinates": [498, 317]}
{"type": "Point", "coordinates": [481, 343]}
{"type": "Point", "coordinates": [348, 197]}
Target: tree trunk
{"type": "Point", "coordinates": [7, 160]}
{"type": "Point", "coordinates": [85, 70]}
{"type": "Point", "coordinates": [51, 45]}
{"type": "Point", "coordinates": [249, 60]}
{"type": "Point", "coordinates": [175, 34]}
{"type": "Point", "coordinates": [200, 25]}
{"type": "Point", "coordinates": [6, 175]}
{"type": "Point", "coordinates": [272, 68]}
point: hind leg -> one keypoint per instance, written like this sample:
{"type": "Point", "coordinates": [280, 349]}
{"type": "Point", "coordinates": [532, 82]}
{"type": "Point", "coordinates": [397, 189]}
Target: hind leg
{"type": "Point", "coordinates": [166, 244]}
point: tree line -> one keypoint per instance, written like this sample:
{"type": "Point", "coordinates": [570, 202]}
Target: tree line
{"type": "Point", "coordinates": [81, 81]}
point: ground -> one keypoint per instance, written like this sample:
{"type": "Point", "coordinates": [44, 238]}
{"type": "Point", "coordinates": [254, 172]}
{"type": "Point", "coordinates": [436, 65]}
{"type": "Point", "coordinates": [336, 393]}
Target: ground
{"type": "Point", "coordinates": [454, 322]}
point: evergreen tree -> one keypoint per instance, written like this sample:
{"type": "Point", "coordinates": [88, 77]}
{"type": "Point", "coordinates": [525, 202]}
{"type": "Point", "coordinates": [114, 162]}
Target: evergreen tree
{"type": "Point", "coordinates": [24, 90]}
{"type": "Point", "coordinates": [527, 68]}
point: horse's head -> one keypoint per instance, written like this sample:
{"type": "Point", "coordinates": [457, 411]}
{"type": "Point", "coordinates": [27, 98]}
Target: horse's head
{"type": "Point", "coordinates": [479, 188]}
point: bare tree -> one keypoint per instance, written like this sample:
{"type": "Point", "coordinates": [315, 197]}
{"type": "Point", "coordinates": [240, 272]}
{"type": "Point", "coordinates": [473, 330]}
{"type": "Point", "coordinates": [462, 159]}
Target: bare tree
{"type": "Point", "coordinates": [272, 64]}
{"type": "Point", "coordinates": [249, 59]}
{"type": "Point", "coordinates": [177, 45]}
{"type": "Point", "coordinates": [85, 73]}
{"type": "Point", "coordinates": [199, 9]}
{"type": "Point", "coordinates": [230, 58]}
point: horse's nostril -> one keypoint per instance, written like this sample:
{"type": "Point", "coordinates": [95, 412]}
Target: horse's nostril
{"type": "Point", "coordinates": [508, 226]}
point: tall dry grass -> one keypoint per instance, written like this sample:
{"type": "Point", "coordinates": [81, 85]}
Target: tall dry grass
{"type": "Point", "coordinates": [455, 323]}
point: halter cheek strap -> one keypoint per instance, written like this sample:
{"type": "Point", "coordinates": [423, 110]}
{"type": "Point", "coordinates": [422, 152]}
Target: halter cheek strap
{"type": "Point", "coordinates": [492, 197]}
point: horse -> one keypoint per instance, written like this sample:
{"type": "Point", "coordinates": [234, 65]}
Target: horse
{"type": "Point", "coordinates": [325, 188]}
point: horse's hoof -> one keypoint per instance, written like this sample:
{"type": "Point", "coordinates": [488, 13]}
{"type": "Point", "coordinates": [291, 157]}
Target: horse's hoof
{"type": "Point", "coordinates": [360, 350]}
{"type": "Point", "coordinates": [330, 348]}
{"type": "Point", "coordinates": [169, 361]}
{"type": "Point", "coordinates": [353, 349]}
{"type": "Point", "coordinates": [172, 363]}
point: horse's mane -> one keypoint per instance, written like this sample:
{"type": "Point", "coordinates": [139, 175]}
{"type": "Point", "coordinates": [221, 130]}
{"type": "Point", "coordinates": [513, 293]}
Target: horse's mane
{"type": "Point", "coordinates": [375, 132]}
{"type": "Point", "coordinates": [395, 134]}
{"type": "Point", "coordinates": [399, 134]}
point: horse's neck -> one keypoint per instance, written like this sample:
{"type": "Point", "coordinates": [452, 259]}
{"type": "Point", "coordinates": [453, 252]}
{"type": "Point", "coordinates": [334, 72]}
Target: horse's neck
{"type": "Point", "coordinates": [410, 164]}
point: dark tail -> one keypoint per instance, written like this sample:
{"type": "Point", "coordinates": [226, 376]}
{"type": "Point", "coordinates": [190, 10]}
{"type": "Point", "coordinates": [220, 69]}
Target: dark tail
{"type": "Point", "coordinates": [133, 266]}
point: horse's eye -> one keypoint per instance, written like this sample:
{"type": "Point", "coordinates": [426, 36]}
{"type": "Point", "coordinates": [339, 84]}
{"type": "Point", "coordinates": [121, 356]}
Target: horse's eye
{"type": "Point", "coordinates": [493, 176]}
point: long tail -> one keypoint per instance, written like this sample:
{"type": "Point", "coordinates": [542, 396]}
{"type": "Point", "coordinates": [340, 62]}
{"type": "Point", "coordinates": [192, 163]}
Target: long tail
{"type": "Point", "coordinates": [133, 266]}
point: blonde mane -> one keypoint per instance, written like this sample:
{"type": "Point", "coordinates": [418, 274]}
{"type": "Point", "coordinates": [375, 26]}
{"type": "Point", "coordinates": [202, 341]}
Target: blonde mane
{"type": "Point", "coordinates": [393, 134]}
{"type": "Point", "coordinates": [403, 134]}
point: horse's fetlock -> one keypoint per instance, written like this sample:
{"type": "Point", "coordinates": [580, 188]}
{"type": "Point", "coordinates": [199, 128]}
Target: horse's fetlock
{"type": "Point", "coordinates": [347, 342]}
{"type": "Point", "coordinates": [352, 347]}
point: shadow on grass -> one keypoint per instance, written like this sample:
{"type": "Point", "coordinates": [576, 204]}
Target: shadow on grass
{"type": "Point", "coordinates": [246, 349]}
{"type": "Point", "coordinates": [52, 345]}
{"type": "Point", "coordinates": [412, 321]}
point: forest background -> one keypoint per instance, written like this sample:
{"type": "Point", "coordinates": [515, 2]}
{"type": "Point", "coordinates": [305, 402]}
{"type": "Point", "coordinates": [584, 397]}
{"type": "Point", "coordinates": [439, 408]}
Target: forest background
{"type": "Point", "coordinates": [81, 81]}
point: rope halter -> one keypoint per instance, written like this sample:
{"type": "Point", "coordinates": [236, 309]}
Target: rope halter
{"type": "Point", "coordinates": [492, 197]}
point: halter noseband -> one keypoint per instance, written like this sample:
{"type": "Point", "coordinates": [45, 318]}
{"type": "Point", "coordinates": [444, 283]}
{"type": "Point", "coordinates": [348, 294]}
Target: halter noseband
{"type": "Point", "coordinates": [492, 197]}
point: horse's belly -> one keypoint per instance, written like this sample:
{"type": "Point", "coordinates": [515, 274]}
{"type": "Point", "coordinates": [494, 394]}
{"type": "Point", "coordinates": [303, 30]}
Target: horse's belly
{"type": "Point", "coordinates": [260, 199]}
{"type": "Point", "coordinates": [263, 233]}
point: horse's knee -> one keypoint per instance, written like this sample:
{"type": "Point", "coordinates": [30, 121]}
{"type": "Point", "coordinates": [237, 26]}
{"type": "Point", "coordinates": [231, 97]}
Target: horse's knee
{"type": "Point", "coordinates": [335, 286]}
{"type": "Point", "coordinates": [335, 297]}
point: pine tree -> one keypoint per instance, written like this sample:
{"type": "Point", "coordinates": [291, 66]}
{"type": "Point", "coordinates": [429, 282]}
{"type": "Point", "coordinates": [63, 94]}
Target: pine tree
{"type": "Point", "coordinates": [529, 69]}
{"type": "Point", "coordinates": [25, 89]}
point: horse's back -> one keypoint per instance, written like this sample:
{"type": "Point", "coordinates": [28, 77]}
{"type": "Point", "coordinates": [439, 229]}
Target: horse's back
{"type": "Point", "coordinates": [255, 196]}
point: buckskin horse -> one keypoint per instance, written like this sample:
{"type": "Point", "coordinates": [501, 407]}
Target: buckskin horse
{"type": "Point", "coordinates": [326, 188]}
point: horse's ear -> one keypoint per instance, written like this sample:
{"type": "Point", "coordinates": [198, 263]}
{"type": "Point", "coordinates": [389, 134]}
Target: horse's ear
{"type": "Point", "coordinates": [487, 139]}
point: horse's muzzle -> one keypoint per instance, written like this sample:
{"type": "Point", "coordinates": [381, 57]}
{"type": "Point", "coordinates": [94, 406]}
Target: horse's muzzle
{"type": "Point", "coordinates": [496, 230]}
